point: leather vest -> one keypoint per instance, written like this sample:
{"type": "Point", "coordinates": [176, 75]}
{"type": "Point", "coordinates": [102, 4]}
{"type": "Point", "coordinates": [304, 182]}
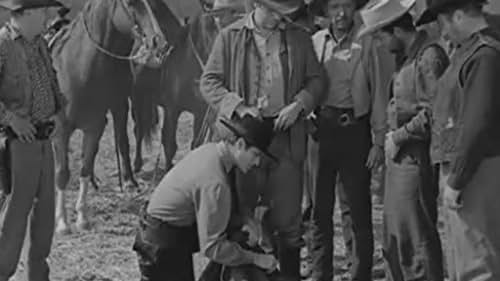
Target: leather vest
{"type": "Point", "coordinates": [448, 103]}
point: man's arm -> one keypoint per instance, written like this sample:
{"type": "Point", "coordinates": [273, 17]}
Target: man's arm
{"type": "Point", "coordinates": [429, 67]}
{"type": "Point", "coordinates": [213, 213]}
{"type": "Point", "coordinates": [315, 81]}
{"type": "Point", "coordinates": [212, 83]}
{"type": "Point", "coordinates": [381, 65]}
{"type": "Point", "coordinates": [481, 84]}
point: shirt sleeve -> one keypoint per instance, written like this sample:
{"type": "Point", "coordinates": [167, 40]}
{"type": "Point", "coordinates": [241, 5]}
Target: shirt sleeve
{"type": "Point", "coordinates": [213, 213]}
{"type": "Point", "coordinates": [429, 67]}
{"type": "Point", "coordinates": [212, 83]}
{"type": "Point", "coordinates": [481, 84]}
{"type": "Point", "coordinates": [5, 114]}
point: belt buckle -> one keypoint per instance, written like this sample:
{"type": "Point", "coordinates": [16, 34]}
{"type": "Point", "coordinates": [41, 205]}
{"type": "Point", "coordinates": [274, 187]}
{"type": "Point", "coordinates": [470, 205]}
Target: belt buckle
{"type": "Point", "coordinates": [344, 119]}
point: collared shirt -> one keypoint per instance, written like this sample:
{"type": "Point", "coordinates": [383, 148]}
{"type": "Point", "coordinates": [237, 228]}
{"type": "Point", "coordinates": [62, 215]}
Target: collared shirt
{"type": "Point", "coordinates": [269, 94]}
{"type": "Point", "coordinates": [339, 57]}
{"type": "Point", "coordinates": [197, 190]}
{"type": "Point", "coordinates": [38, 78]}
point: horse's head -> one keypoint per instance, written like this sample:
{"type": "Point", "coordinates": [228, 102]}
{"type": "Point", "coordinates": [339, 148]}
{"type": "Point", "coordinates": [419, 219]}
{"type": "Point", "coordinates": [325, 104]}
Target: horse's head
{"type": "Point", "coordinates": [137, 18]}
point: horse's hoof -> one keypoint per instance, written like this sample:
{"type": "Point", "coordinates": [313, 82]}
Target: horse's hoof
{"type": "Point", "coordinates": [62, 228]}
{"type": "Point", "coordinates": [83, 225]}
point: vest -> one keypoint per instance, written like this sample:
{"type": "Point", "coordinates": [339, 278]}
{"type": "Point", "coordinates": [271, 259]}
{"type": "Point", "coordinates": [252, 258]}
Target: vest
{"type": "Point", "coordinates": [448, 105]}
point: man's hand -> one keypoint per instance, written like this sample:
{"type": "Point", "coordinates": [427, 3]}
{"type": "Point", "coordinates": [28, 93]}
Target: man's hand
{"type": "Point", "coordinates": [391, 149]}
{"type": "Point", "coordinates": [254, 231]}
{"type": "Point", "coordinates": [23, 128]}
{"type": "Point", "coordinates": [451, 198]}
{"type": "Point", "coordinates": [243, 110]}
{"type": "Point", "coordinates": [58, 120]}
{"type": "Point", "coordinates": [265, 261]}
{"type": "Point", "coordinates": [375, 157]}
{"type": "Point", "coordinates": [287, 116]}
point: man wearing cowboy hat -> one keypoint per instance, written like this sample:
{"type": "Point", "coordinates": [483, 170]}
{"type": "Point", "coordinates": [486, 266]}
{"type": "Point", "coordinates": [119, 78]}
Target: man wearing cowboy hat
{"type": "Point", "coordinates": [468, 139]}
{"type": "Point", "coordinates": [354, 108]}
{"type": "Point", "coordinates": [30, 100]}
{"type": "Point", "coordinates": [262, 66]}
{"type": "Point", "coordinates": [412, 247]}
{"type": "Point", "coordinates": [191, 207]}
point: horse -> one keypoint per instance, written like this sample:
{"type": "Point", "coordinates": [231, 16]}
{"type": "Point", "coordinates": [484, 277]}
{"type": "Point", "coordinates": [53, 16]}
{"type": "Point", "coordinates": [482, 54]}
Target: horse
{"type": "Point", "coordinates": [177, 91]}
{"type": "Point", "coordinates": [92, 59]}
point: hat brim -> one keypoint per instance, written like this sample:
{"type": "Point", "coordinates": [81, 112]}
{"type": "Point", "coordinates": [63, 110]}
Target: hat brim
{"type": "Point", "coordinates": [48, 4]}
{"type": "Point", "coordinates": [221, 10]}
{"type": "Point", "coordinates": [283, 10]}
{"type": "Point", "coordinates": [369, 29]}
{"type": "Point", "coordinates": [240, 132]}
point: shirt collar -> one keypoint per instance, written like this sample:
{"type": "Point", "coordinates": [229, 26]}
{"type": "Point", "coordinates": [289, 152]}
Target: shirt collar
{"type": "Point", "coordinates": [15, 33]}
{"type": "Point", "coordinates": [225, 156]}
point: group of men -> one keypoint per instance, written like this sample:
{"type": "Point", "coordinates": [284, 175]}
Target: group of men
{"type": "Point", "coordinates": [377, 84]}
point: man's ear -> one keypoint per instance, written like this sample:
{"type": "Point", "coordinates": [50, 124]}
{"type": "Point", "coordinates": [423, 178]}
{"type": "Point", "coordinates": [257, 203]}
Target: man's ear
{"type": "Point", "coordinates": [240, 144]}
{"type": "Point", "coordinates": [457, 16]}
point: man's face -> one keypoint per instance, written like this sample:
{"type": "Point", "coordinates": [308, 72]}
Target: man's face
{"type": "Point", "coordinates": [341, 13]}
{"type": "Point", "coordinates": [226, 17]}
{"type": "Point", "coordinates": [449, 25]}
{"type": "Point", "coordinates": [391, 41]}
{"type": "Point", "coordinates": [266, 17]}
{"type": "Point", "coordinates": [247, 157]}
{"type": "Point", "coordinates": [37, 20]}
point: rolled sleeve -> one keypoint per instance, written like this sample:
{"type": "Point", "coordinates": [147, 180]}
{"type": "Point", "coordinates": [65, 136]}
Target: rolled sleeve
{"type": "Point", "coordinates": [213, 213]}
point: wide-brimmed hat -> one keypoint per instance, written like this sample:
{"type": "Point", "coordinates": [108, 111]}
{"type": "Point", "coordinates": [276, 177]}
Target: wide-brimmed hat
{"type": "Point", "coordinates": [380, 13]}
{"type": "Point", "coordinates": [282, 7]}
{"type": "Point", "coordinates": [256, 132]}
{"type": "Point", "coordinates": [435, 7]}
{"type": "Point", "coordinates": [222, 5]}
{"type": "Point", "coordinates": [18, 5]}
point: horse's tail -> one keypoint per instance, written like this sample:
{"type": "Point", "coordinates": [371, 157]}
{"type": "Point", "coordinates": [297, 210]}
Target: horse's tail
{"type": "Point", "coordinates": [144, 104]}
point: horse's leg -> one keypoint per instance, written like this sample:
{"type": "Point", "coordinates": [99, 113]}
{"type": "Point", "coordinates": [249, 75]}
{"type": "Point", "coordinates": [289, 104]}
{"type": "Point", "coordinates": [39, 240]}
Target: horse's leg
{"type": "Point", "coordinates": [168, 135]}
{"type": "Point", "coordinates": [62, 176]}
{"type": "Point", "coordinates": [120, 118]}
{"type": "Point", "coordinates": [139, 136]}
{"type": "Point", "coordinates": [90, 146]}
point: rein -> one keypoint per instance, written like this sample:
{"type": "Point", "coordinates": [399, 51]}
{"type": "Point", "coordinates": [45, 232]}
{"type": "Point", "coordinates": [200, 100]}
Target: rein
{"type": "Point", "coordinates": [103, 49]}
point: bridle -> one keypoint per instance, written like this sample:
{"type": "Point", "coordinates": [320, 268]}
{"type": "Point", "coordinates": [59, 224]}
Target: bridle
{"type": "Point", "coordinates": [136, 29]}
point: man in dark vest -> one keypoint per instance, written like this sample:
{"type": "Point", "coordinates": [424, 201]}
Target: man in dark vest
{"type": "Point", "coordinates": [467, 139]}
{"type": "Point", "coordinates": [190, 209]}
{"type": "Point", "coordinates": [30, 101]}
{"type": "Point", "coordinates": [412, 247]}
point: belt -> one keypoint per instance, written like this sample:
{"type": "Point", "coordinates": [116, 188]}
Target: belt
{"type": "Point", "coordinates": [341, 117]}
{"type": "Point", "coordinates": [43, 130]}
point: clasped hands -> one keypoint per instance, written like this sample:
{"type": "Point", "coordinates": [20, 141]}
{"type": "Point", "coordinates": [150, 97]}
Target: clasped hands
{"type": "Point", "coordinates": [284, 120]}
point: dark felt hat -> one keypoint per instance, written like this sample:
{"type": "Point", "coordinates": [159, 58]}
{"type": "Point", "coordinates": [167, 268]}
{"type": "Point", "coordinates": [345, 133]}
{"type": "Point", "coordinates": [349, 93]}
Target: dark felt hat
{"type": "Point", "coordinates": [256, 132]}
{"type": "Point", "coordinates": [435, 7]}
{"type": "Point", "coordinates": [18, 5]}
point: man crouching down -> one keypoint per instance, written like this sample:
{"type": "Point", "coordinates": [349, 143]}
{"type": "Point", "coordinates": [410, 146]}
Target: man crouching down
{"type": "Point", "coordinates": [193, 205]}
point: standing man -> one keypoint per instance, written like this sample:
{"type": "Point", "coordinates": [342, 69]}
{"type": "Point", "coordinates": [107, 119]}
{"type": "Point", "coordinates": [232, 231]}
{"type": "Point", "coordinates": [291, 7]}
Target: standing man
{"type": "Point", "coordinates": [29, 101]}
{"type": "Point", "coordinates": [468, 139]}
{"type": "Point", "coordinates": [354, 108]}
{"type": "Point", "coordinates": [263, 67]}
{"type": "Point", "coordinates": [192, 206]}
{"type": "Point", "coordinates": [412, 247]}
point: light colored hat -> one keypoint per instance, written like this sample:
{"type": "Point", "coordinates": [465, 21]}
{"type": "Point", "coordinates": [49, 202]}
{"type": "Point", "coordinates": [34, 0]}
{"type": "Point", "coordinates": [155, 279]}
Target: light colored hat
{"type": "Point", "coordinates": [221, 5]}
{"type": "Point", "coordinates": [380, 13]}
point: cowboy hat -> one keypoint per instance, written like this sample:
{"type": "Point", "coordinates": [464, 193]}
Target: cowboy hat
{"type": "Point", "coordinates": [380, 13]}
{"type": "Point", "coordinates": [282, 7]}
{"type": "Point", "coordinates": [18, 5]}
{"type": "Point", "coordinates": [256, 132]}
{"type": "Point", "coordinates": [435, 7]}
{"type": "Point", "coordinates": [222, 5]}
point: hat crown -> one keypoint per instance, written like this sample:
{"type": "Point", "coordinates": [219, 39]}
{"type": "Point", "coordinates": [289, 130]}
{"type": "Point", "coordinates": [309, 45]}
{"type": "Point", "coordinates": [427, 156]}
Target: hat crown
{"type": "Point", "coordinates": [14, 5]}
{"type": "Point", "coordinates": [229, 4]}
{"type": "Point", "coordinates": [256, 132]}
